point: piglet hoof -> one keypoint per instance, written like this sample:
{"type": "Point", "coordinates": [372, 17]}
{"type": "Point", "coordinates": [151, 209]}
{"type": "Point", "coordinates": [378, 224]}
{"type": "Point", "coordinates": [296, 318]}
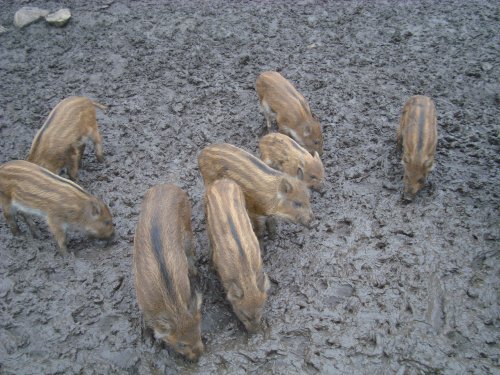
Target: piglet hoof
{"type": "Point", "coordinates": [36, 234]}
{"type": "Point", "coordinates": [63, 252]}
{"type": "Point", "coordinates": [100, 158]}
{"type": "Point", "coordinates": [15, 231]}
{"type": "Point", "coordinates": [192, 270]}
{"type": "Point", "coordinates": [263, 246]}
{"type": "Point", "coordinates": [271, 226]}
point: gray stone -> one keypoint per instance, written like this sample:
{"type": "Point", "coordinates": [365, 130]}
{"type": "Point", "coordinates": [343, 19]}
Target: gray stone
{"type": "Point", "coordinates": [27, 15]}
{"type": "Point", "coordinates": [59, 18]}
{"type": "Point", "coordinates": [2, 30]}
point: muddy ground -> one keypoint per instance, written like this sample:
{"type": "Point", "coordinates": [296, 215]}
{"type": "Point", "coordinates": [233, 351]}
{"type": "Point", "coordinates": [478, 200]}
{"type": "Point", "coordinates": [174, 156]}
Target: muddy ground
{"type": "Point", "coordinates": [376, 287]}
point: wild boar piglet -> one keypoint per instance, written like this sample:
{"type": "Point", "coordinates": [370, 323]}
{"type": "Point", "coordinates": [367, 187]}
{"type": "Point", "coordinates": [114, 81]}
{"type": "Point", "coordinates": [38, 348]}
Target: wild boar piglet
{"type": "Point", "coordinates": [268, 192]}
{"type": "Point", "coordinates": [280, 100]}
{"type": "Point", "coordinates": [61, 140]}
{"type": "Point", "coordinates": [417, 134]}
{"type": "Point", "coordinates": [30, 189]}
{"type": "Point", "coordinates": [163, 264]}
{"type": "Point", "coordinates": [236, 252]}
{"type": "Point", "coordinates": [284, 154]}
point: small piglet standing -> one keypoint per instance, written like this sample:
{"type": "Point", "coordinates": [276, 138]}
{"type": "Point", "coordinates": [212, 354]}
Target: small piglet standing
{"type": "Point", "coordinates": [268, 192]}
{"type": "Point", "coordinates": [284, 154]}
{"type": "Point", "coordinates": [417, 134]}
{"type": "Point", "coordinates": [163, 264]}
{"type": "Point", "coordinates": [236, 251]}
{"type": "Point", "coordinates": [29, 189]}
{"type": "Point", "coordinates": [61, 140]}
{"type": "Point", "coordinates": [279, 99]}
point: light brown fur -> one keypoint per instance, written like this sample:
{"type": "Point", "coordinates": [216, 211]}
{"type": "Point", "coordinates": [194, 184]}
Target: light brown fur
{"type": "Point", "coordinates": [33, 190]}
{"type": "Point", "coordinates": [280, 99]}
{"type": "Point", "coordinates": [60, 142]}
{"type": "Point", "coordinates": [163, 264]}
{"type": "Point", "coordinates": [236, 251]}
{"type": "Point", "coordinates": [417, 134]}
{"type": "Point", "coordinates": [284, 154]}
{"type": "Point", "coordinates": [267, 192]}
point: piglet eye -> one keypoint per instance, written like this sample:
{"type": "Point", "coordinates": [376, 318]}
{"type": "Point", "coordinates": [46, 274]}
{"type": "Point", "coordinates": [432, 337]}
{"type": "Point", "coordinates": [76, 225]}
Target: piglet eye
{"type": "Point", "coordinates": [181, 346]}
{"type": "Point", "coordinates": [297, 204]}
{"type": "Point", "coordinates": [314, 178]}
{"type": "Point", "coordinates": [107, 222]}
{"type": "Point", "coordinates": [316, 142]}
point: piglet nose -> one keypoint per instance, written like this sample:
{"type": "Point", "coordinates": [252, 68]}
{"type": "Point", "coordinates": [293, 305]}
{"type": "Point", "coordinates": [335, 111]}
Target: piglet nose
{"type": "Point", "coordinates": [253, 327]}
{"type": "Point", "coordinates": [408, 197]}
{"type": "Point", "coordinates": [196, 353]}
{"type": "Point", "coordinates": [319, 187]}
{"type": "Point", "coordinates": [308, 221]}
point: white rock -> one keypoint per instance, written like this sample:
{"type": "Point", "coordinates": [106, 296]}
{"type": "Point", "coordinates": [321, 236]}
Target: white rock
{"type": "Point", "coordinates": [2, 30]}
{"type": "Point", "coordinates": [27, 15]}
{"type": "Point", "coordinates": [59, 18]}
{"type": "Point", "coordinates": [486, 66]}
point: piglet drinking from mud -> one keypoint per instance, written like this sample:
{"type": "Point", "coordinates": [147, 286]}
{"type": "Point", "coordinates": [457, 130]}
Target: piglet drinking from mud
{"type": "Point", "coordinates": [60, 142]}
{"type": "Point", "coordinates": [284, 154]}
{"type": "Point", "coordinates": [268, 192]}
{"type": "Point", "coordinates": [280, 100]}
{"type": "Point", "coordinates": [163, 264]}
{"type": "Point", "coordinates": [32, 190]}
{"type": "Point", "coordinates": [236, 251]}
{"type": "Point", "coordinates": [417, 134]}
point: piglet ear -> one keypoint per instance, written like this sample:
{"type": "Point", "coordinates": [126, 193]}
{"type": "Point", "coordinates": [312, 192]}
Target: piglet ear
{"type": "Point", "coordinates": [429, 164]}
{"type": "Point", "coordinates": [195, 303]}
{"type": "Point", "coordinates": [285, 186]}
{"type": "Point", "coordinates": [300, 174]}
{"type": "Point", "coordinates": [234, 292]}
{"type": "Point", "coordinates": [162, 328]}
{"type": "Point", "coordinates": [263, 282]}
{"type": "Point", "coordinates": [307, 130]}
{"type": "Point", "coordinates": [95, 208]}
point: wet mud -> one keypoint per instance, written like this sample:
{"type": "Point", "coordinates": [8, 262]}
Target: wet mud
{"type": "Point", "coordinates": [377, 286]}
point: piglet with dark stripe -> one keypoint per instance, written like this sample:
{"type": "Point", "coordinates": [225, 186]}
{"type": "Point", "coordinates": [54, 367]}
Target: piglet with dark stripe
{"type": "Point", "coordinates": [60, 142]}
{"type": "Point", "coordinates": [32, 190]}
{"type": "Point", "coordinates": [236, 251]}
{"type": "Point", "coordinates": [279, 99]}
{"type": "Point", "coordinates": [284, 154]}
{"type": "Point", "coordinates": [268, 192]}
{"type": "Point", "coordinates": [163, 264]}
{"type": "Point", "coordinates": [417, 134]}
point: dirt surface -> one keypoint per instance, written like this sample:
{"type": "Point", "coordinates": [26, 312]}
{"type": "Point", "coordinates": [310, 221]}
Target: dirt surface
{"type": "Point", "coordinates": [376, 287]}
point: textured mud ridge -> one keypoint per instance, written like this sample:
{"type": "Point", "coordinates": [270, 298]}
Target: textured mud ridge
{"type": "Point", "coordinates": [377, 286]}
